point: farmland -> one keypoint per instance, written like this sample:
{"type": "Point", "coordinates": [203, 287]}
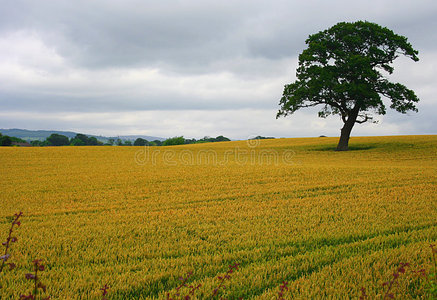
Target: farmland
{"type": "Point", "coordinates": [327, 222]}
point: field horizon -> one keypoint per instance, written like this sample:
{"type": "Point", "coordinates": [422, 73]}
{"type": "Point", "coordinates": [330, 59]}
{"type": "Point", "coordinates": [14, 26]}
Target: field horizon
{"type": "Point", "coordinates": [290, 209]}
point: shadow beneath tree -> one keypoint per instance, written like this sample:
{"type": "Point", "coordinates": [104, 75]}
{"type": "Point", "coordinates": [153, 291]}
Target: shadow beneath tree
{"type": "Point", "coordinates": [351, 148]}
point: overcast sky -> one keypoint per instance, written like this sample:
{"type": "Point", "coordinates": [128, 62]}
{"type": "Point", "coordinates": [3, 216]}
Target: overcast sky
{"type": "Point", "coordinates": [192, 68]}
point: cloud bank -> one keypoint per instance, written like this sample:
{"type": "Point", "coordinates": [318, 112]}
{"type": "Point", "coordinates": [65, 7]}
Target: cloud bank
{"type": "Point", "coordinates": [190, 68]}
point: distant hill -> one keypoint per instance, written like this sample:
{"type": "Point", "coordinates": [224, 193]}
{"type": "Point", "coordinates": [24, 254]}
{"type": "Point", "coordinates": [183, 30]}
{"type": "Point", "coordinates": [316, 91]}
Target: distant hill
{"type": "Point", "coordinates": [32, 135]}
{"type": "Point", "coordinates": [134, 137]}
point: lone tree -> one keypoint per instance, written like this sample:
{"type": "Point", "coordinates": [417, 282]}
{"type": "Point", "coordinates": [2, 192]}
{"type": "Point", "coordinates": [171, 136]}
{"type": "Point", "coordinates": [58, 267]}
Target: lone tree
{"type": "Point", "coordinates": [342, 70]}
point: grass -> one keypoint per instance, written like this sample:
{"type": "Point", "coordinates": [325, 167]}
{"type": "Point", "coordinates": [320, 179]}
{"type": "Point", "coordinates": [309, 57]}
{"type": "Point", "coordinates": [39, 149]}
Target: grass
{"type": "Point", "coordinates": [325, 222]}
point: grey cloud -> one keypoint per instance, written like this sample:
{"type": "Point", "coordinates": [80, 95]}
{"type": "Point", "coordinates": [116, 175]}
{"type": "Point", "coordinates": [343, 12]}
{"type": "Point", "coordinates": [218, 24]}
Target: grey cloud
{"type": "Point", "coordinates": [119, 103]}
{"type": "Point", "coordinates": [288, 28]}
{"type": "Point", "coordinates": [189, 36]}
{"type": "Point", "coordinates": [109, 34]}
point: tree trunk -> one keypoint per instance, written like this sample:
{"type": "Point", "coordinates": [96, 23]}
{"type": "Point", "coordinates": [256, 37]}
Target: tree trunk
{"type": "Point", "coordinates": [343, 143]}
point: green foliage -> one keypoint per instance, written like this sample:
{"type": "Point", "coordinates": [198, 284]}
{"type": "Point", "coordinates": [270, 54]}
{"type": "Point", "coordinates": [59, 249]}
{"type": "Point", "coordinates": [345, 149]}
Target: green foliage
{"type": "Point", "coordinates": [141, 142]}
{"type": "Point", "coordinates": [432, 286]}
{"type": "Point", "coordinates": [432, 280]}
{"type": "Point", "coordinates": [5, 140]}
{"type": "Point", "coordinates": [341, 70]}
{"type": "Point", "coordinates": [207, 139]}
{"type": "Point", "coordinates": [120, 142]}
{"type": "Point", "coordinates": [81, 137]}
{"type": "Point", "coordinates": [38, 143]}
{"type": "Point", "coordinates": [92, 141]}
{"type": "Point", "coordinates": [17, 140]}
{"type": "Point", "coordinates": [191, 141]}
{"type": "Point", "coordinates": [157, 142]}
{"type": "Point", "coordinates": [77, 142]}
{"type": "Point", "coordinates": [174, 141]}
{"type": "Point", "coordinates": [83, 140]}
{"type": "Point", "coordinates": [221, 138]}
{"type": "Point", "coordinates": [259, 137]}
{"type": "Point", "coordinates": [35, 143]}
{"type": "Point", "coordinates": [58, 140]}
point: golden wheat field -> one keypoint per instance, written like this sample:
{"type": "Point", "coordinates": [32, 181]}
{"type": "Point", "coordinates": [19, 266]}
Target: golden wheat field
{"type": "Point", "coordinates": [137, 219]}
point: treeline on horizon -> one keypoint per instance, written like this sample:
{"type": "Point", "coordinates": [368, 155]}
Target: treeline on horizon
{"type": "Point", "coordinates": [84, 140]}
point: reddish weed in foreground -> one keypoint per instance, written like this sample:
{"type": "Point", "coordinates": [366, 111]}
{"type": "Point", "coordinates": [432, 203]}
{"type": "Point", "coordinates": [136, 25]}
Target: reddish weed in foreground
{"type": "Point", "coordinates": [104, 290]}
{"type": "Point", "coordinates": [222, 279]}
{"type": "Point", "coordinates": [191, 291]}
{"type": "Point", "coordinates": [400, 270]}
{"type": "Point", "coordinates": [430, 279]}
{"type": "Point", "coordinates": [282, 288]}
{"type": "Point", "coordinates": [428, 290]}
{"type": "Point", "coordinates": [10, 239]}
{"type": "Point", "coordinates": [38, 266]}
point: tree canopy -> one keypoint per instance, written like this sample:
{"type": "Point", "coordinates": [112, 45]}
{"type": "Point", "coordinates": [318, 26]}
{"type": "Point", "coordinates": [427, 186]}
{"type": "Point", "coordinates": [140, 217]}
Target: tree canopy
{"type": "Point", "coordinates": [5, 140]}
{"type": "Point", "coordinates": [343, 69]}
{"type": "Point", "coordinates": [179, 140]}
{"type": "Point", "coordinates": [58, 140]}
{"type": "Point", "coordinates": [141, 142]}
